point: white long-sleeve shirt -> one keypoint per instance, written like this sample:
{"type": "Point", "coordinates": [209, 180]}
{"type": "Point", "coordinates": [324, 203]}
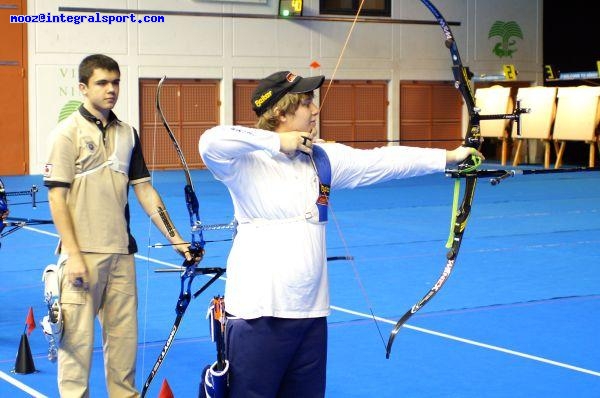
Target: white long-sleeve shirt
{"type": "Point", "coordinates": [278, 263]}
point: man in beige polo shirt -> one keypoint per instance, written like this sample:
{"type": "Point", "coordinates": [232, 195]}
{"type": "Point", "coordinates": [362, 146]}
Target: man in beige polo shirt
{"type": "Point", "coordinates": [94, 158]}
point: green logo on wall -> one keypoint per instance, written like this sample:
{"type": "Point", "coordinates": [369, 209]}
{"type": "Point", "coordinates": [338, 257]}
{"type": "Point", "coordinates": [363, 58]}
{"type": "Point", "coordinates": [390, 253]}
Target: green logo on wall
{"type": "Point", "coordinates": [67, 109]}
{"type": "Point", "coordinates": [505, 31]}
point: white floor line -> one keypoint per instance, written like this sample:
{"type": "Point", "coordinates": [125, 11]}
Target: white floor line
{"type": "Point", "coordinates": [41, 231]}
{"type": "Point", "coordinates": [473, 342]}
{"type": "Point", "coordinates": [21, 386]}
{"type": "Point", "coordinates": [422, 330]}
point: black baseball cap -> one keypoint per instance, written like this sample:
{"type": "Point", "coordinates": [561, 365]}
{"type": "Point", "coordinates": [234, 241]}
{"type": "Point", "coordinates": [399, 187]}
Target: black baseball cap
{"type": "Point", "coordinates": [272, 88]}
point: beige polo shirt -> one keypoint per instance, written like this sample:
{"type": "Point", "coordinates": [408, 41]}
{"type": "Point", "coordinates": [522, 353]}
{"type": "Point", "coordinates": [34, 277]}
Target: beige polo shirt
{"type": "Point", "coordinates": [97, 163]}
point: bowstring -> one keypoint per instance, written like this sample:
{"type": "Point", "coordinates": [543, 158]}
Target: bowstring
{"type": "Point", "coordinates": [339, 60]}
{"type": "Point", "coordinates": [350, 258]}
{"type": "Point", "coordinates": [148, 245]}
{"type": "Point", "coordinates": [357, 276]}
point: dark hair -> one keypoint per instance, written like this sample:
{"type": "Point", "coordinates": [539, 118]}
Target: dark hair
{"type": "Point", "coordinates": [96, 61]}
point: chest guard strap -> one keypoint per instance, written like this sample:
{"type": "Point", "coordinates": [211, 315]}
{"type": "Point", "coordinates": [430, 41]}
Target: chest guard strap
{"type": "Point", "coordinates": [323, 168]}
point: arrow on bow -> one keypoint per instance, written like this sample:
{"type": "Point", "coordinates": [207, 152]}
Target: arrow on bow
{"type": "Point", "coordinates": [196, 248]}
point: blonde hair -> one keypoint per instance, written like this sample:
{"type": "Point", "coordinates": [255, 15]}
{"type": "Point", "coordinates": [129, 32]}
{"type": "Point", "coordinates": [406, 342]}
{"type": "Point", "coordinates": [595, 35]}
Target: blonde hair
{"type": "Point", "coordinates": [287, 105]}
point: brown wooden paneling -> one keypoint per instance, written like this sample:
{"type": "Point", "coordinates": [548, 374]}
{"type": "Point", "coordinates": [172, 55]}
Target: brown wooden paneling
{"type": "Point", "coordinates": [430, 114]}
{"type": "Point", "coordinates": [190, 107]}
{"type": "Point", "coordinates": [354, 111]}
{"type": "Point", "coordinates": [337, 104]}
{"type": "Point", "coordinates": [14, 150]}
{"type": "Point", "coordinates": [243, 115]}
{"type": "Point", "coordinates": [415, 102]}
{"type": "Point", "coordinates": [341, 132]}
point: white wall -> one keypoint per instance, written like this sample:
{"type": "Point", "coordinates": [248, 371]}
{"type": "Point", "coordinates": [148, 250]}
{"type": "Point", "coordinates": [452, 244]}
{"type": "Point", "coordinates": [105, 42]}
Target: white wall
{"type": "Point", "coordinates": [227, 48]}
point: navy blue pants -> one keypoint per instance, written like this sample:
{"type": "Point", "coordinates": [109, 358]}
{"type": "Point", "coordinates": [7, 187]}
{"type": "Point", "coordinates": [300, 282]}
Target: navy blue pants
{"type": "Point", "coordinates": [275, 357]}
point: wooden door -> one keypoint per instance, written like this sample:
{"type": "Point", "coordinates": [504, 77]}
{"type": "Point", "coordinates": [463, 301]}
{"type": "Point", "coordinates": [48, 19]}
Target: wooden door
{"type": "Point", "coordinates": [430, 114]}
{"type": "Point", "coordinates": [354, 112]}
{"type": "Point", "coordinates": [14, 145]}
{"type": "Point", "coordinates": [243, 115]}
{"type": "Point", "coordinates": [190, 107]}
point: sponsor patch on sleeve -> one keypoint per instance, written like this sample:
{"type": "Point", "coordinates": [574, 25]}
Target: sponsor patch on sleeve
{"type": "Point", "coordinates": [48, 170]}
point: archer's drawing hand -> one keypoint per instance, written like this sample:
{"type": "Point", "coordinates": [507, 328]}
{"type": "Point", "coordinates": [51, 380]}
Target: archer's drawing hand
{"type": "Point", "coordinates": [461, 153]}
{"type": "Point", "coordinates": [293, 141]}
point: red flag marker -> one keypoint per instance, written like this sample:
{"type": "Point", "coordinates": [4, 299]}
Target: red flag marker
{"type": "Point", "coordinates": [165, 390]}
{"type": "Point", "coordinates": [30, 322]}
